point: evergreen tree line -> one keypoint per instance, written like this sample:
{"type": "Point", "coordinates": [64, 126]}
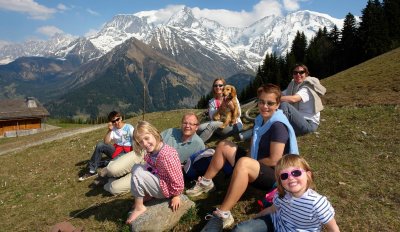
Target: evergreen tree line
{"type": "Point", "coordinates": [330, 52]}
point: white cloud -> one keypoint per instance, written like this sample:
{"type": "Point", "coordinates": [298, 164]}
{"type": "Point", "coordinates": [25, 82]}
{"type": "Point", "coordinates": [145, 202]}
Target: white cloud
{"type": "Point", "coordinates": [49, 30]}
{"type": "Point", "coordinates": [30, 7]}
{"type": "Point", "coordinates": [62, 7]}
{"type": "Point", "coordinates": [92, 12]}
{"type": "Point", "coordinates": [244, 18]}
{"type": "Point", "coordinates": [4, 43]}
{"type": "Point", "coordinates": [161, 15]}
{"type": "Point", "coordinates": [291, 5]}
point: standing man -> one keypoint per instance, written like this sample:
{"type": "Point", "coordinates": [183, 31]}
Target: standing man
{"type": "Point", "coordinates": [117, 141]}
{"type": "Point", "coordinates": [301, 102]}
{"type": "Point", "coordinates": [184, 140]}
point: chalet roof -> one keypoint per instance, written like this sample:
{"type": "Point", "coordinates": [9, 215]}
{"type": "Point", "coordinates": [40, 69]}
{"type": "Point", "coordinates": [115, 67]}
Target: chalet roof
{"type": "Point", "coordinates": [21, 108]}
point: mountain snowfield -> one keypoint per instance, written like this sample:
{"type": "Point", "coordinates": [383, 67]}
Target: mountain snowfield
{"type": "Point", "coordinates": [245, 46]}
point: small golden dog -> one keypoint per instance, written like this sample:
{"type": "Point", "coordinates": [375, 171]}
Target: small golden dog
{"type": "Point", "coordinates": [224, 113]}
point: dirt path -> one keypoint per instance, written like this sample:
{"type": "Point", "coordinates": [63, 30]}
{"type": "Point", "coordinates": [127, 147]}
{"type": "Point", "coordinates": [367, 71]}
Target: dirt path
{"type": "Point", "coordinates": [24, 142]}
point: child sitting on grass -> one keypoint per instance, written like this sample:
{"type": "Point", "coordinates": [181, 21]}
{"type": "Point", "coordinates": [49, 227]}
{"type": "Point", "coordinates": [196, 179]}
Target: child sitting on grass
{"type": "Point", "coordinates": [160, 177]}
{"type": "Point", "coordinates": [296, 207]}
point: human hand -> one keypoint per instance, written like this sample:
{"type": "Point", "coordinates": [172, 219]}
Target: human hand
{"type": "Point", "coordinates": [110, 126]}
{"type": "Point", "coordinates": [175, 203]}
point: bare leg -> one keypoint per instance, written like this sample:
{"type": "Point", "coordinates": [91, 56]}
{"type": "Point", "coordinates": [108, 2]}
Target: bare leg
{"type": "Point", "coordinates": [245, 172]}
{"type": "Point", "coordinates": [225, 151]}
{"type": "Point", "coordinates": [139, 208]}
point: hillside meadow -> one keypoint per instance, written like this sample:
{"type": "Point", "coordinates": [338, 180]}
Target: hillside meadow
{"type": "Point", "coordinates": [354, 155]}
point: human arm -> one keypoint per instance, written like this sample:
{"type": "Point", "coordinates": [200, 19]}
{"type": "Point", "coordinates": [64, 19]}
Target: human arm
{"type": "Point", "coordinates": [212, 108]}
{"type": "Point", "coordinates": [276, 153]}
{"type": "Point", "coordinates": [170, 172]}
{"type": "Point", "coordinates": [266, 211]}
{"type": "Point", "coordinates": [273, 143]}
{"type": "Point", "coordinates": [108, 136]}
{"type": "Point", "coordinates": [291, 98]}
{"type": "Point", "coordinates": [332, 226]}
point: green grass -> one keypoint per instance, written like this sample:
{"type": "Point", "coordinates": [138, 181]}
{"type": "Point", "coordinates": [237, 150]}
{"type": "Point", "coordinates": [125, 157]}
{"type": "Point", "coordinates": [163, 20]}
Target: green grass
{"type": "Point", "coordinates": [354, 155]}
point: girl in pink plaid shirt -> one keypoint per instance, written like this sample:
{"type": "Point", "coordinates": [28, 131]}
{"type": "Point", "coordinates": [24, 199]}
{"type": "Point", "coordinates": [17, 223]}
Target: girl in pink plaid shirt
{"type": "Point", "coordinates": [160, 177]}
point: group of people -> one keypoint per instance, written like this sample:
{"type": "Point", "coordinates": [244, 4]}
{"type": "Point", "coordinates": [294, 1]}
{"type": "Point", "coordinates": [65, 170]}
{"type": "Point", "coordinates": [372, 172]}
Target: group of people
{"type": "Point", "coordinates": [154, 168]}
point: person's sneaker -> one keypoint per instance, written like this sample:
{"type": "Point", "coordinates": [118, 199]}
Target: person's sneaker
{"type": "Point", "coordinates": [87, 175]}
{"type": "Point", "coordinates": [225, 217]}
{"type": "Point", "coordinates": [200, 187]}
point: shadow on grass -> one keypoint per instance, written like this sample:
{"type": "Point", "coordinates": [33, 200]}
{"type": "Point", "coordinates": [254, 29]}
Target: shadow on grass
{"type": "Point", "coordinates": [113, 210]}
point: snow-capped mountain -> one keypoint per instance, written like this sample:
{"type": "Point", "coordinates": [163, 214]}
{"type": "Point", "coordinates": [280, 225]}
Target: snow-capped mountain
{"type": "Point", "coordinates": [183, 32]}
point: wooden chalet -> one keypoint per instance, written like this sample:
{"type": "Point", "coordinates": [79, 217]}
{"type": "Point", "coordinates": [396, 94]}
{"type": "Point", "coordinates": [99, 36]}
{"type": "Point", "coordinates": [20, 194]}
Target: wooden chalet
{"type": "Point", "coordinates": [21, 117]}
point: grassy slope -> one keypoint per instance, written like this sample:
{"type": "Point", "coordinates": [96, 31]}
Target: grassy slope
{"type": "Point", "coordinates": [354, 156]}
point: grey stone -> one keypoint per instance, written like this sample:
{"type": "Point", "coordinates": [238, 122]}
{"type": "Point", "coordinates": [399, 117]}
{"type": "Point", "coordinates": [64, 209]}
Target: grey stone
{"type": "Point", "coordinates": [159, 216]}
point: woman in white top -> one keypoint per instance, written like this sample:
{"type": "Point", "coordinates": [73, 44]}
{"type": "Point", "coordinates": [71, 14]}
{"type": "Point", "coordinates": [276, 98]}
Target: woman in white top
{"type": "Point", "coordinates": [206, 130]}
{"type": "Point", "coordinates": [301, 102]}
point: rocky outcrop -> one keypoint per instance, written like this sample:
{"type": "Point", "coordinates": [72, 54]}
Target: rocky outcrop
{"type": "Point", "coordinates": [159, 216]}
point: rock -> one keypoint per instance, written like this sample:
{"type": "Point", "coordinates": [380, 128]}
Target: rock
{"type": "Point", "coordinates": [159, 216]}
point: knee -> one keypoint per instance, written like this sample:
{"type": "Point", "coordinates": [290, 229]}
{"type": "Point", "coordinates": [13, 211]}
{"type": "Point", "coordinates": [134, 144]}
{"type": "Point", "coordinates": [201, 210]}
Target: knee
{"type": "Point", "coordinates": [284, 106]}
{"type": "Point", "coordinates": [116, 188]}
{"type": "Point", "coordinates": [112, 170]}
{"type": "Point", "coordinates": [245, 163]}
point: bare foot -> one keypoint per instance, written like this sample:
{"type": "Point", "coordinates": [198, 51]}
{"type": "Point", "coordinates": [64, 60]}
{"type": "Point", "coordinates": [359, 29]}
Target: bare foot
{"type": "Point", "coordinates": [135, 213]}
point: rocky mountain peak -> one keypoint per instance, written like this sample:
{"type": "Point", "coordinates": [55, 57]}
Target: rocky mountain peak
{"type": "Point", "coordinates": [183, 18]}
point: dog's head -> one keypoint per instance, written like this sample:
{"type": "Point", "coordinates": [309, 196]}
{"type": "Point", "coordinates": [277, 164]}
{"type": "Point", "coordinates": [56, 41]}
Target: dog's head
{"type": "Point", "coordinates": [229, 91]}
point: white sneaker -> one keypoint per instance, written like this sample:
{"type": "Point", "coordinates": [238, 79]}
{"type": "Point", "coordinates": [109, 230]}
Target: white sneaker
{"type": "Point", "coordinates": [226, 217]}
{"type": "Point", "coordinates": [200, 188]}
{"type": "Point", "coordinates": [87, 176]}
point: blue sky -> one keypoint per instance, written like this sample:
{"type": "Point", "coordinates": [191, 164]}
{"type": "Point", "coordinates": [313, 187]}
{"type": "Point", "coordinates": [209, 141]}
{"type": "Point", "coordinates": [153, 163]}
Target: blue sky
{"type": "Point", "coordinates": [38, 19]}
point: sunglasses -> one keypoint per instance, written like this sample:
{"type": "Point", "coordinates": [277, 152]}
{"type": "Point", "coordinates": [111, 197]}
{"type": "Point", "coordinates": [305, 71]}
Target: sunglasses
{"type": "Point", "coordinates": [268, 103]}
{"type": "Point", "coordinates": [299, 72]}
{"type": "Point", "coordinates": [115, 120]}
{"type": "Point", "coordinates": [216, 85]}
{"type": "Point", "coordinates": [294, 173]}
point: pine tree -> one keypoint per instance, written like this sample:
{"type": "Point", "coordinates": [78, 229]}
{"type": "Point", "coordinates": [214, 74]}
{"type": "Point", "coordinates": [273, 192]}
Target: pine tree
{"type": "Point", "coordinates": [349, 44]}
{"type": "Point", "coordinates": [319, 54]}
{"type": "Point", "coordinates": [299, 45]}
{"type": "Point", "coordinates": [334, 36]}
{"type": "Point", "coordinates": [373, 30]}
{"type": "Point", "coordinates": [391, 10]}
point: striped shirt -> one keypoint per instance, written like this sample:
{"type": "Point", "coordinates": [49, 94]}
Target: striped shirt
{"type": "Point", "coordinates": [307, 213]}
{"type": "Point", "coordinates": [169, 170]}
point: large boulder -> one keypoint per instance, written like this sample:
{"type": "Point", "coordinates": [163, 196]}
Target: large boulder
{"type": "Point", "coordinates": [159, 216]}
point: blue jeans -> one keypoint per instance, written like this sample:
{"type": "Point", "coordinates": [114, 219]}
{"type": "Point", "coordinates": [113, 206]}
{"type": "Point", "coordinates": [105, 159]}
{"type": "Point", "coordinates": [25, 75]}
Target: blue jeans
{"type": "Point", "coordinates": [101, 148]}
{"type": "Point", "coordinates": [207, 129]}
{"type": "Point", "coordinates": [260, 224]}
{"type": "Point", "coordinates": [300, 125]}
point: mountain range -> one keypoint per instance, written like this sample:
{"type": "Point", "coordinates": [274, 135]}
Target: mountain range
{"type": "Point", "coordinates": [166, 65]}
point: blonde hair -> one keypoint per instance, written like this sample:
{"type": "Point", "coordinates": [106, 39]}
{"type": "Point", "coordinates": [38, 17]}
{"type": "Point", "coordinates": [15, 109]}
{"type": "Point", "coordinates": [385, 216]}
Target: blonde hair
{"type": "Point", "coordinates": [291, 160]}
{"type": "Point", "coordinates": [144, 127]}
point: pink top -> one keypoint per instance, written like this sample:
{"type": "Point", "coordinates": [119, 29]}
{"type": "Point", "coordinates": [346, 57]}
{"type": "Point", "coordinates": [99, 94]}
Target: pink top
{"type": "Point", "coordinates": [169, 170]}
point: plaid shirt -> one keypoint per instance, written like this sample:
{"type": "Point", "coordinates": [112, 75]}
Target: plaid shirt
{"type": "Point", "coordinates": [169, 171]}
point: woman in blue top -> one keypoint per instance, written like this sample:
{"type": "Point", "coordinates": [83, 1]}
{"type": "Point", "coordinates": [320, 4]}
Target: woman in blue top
{"type": "Point", "coordinates": [273, 137]}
